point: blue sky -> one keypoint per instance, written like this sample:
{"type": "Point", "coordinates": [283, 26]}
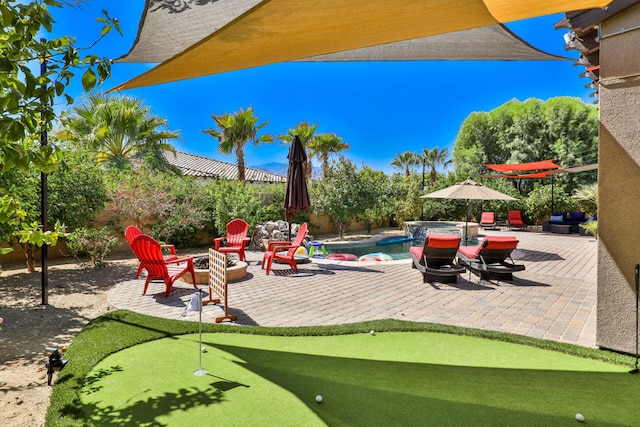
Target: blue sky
{"type": "Point", "coordinates": [378, 108]}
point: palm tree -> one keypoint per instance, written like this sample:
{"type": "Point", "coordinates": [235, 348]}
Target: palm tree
{"type": "Point", "coordinates": [119, 128]}
{"type": "Point", "coordinates": [324, 144]}
{"type": "Point", "coordinates": [434, 158]}
{"type": "Point", "coordinates": [305, 132]}
{"type": "Point", "coordinates": [405, 161]}
{"type": "Point", "coordinates": [235, 131]}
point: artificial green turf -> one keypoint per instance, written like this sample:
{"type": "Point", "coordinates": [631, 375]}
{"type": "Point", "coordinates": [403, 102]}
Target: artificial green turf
{"type": "Point", "coordinates": [122, 329]}
{"type": "Point", "coordinates": [390, 378]}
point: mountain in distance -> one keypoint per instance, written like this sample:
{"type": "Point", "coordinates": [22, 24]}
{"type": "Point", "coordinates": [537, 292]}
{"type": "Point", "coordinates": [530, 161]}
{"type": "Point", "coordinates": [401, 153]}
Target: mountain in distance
{"type": "Point", "coordinates": [273, 167]}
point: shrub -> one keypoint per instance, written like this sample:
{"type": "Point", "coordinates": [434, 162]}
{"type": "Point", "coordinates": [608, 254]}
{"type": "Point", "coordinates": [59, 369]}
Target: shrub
{"type": "Point", "coordinates": [97, 243]}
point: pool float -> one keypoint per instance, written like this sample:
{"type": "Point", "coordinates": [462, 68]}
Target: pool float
{"type": "Point", "coordinates": [342, 257]}
{"type": "Point", "coordinates": [393, 240]}
{"type": "Point", "coordinates": [376, 256]}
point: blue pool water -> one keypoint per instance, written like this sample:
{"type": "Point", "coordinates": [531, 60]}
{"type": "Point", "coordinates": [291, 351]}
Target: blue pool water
{"type": "Point", "coordinates": [397, 251]}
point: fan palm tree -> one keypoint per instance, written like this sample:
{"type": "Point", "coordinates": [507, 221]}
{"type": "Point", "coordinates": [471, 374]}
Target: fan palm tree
{"type": "Point", "coordinates": [405, 161]}
{"type": "Point", "coordinates": [323, 145]}
{"type": "Point", "coordinates": [305, 132]}
{"type": "Point", "coordinates": [234, 131]}
{"type": "Point", "coordinates": [119, 128]}
{"type": "Point", "coordinates": [434, 158]}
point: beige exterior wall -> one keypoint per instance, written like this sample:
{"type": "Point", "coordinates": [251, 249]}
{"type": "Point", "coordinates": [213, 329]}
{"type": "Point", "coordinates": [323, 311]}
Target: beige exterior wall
{"type": "Point", "coordinates": [318, 225]}
{"type": "Point", "coordinates": [619, 181]}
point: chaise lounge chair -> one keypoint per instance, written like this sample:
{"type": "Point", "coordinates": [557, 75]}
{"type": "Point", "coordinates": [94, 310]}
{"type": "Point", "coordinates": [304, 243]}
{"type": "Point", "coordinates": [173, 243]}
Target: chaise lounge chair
{"type": "Point", "coordinates": [436, 258]}
{"type": "Point", "coordinates": [488, 220]}
{"type": "Point", "coordinates": [514, 220]}
{"type": "Point", "coordinates": [491, 259]}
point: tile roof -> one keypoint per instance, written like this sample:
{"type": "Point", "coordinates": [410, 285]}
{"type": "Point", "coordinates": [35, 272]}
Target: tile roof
{"type": "Point", "coordinates": [191, 164]}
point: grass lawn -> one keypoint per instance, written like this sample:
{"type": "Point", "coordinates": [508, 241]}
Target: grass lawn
{"type": "Point", "coordinates": [127, 368]}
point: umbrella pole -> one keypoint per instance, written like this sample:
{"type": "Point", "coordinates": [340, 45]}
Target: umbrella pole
{"type": "Point", "coordinates": [466, 223]}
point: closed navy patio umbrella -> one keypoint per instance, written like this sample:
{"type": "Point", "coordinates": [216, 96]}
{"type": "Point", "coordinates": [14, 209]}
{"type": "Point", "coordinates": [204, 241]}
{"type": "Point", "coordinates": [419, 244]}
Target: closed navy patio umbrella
{"type": "Point", "coordinates": [296, 197]}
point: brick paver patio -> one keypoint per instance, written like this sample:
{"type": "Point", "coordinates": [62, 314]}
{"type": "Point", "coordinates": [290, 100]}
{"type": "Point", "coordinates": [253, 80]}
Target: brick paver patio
{"type": "Point", "coordinates": [554, 298]}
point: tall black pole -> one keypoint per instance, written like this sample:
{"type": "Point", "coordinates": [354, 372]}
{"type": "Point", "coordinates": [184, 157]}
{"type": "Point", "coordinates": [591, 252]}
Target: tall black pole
{"type": "Point", "coordinates": [423, 165]}
{"type": "Point", "coordinates": [552, 201]}
{"type": "Point", "coordinates": [44, 199]}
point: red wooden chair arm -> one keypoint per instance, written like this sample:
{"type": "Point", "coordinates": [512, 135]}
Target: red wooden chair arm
{"type": "Point", "coordinates": [282, 248]}
{"type": "Point", "coordinates": [277, 243]}
{"type": "Point", "coordinates": [217, 242]}
{"type": "Point", "coordinates": [188, 259]}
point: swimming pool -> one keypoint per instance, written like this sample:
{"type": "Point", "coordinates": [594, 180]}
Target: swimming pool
{"type": "Point", "coordinates": [397, 251]}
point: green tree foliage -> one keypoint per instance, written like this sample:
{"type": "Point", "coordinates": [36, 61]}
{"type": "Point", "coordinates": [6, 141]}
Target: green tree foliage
{"type": "Point", "coordinates": [143, 197]}
{"type": "Point", "coordinates": [537, 205]}
{"type": "Point", "coordinates": [587, 197]}
{"type": "Point", "coordinates": [305, 132]}
{"type": "Point", "coordinates": [406, 161]}
{"type": "Point", "coordinates": [375, 193]}
{"type": "Point", "coordinates": [562, 129]}
{"type": "Point", "coordinates": [325, 144]}
{"type": "Point", "coordinates": [405, 197]}
{"type": "Point", "coordinates": [235, 200]}
{"type": "Point", "coordinates": [234, 131]}
{"type": "Point", "coordinates": [119, 129]}
{"type": "Point", "coordinates": [336, 195]}
{"type": "Point", "coordinates": [347, 194]}
{"type": "Point", "coordinates": [26, 97]}
{"type": "Point", "coordinates": [432, 159]}
{"type": "Point", "coordinates": [76, 193]}
{"type": "Point", "coordinates": [94, 242]}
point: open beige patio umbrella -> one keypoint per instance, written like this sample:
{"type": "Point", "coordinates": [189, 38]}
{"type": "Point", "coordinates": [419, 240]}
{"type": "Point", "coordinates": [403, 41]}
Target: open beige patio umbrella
{"type": "Point", "coordinates": [226, 35]}
{"type": "Point", "coordinates": [468, 190]}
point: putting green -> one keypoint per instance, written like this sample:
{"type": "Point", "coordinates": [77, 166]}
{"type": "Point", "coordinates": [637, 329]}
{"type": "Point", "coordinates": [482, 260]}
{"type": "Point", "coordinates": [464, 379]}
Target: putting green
{"type": "Point", "coordinates": [385, 379]}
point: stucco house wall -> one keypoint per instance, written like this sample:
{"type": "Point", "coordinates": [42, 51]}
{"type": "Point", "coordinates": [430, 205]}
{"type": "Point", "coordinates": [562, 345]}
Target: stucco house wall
{"type": "Point", "coordinates": [619, 180]}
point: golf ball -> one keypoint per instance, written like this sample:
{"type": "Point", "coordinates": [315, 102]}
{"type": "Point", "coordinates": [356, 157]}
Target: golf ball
{"type": "Point", "coordinates": [319, 398]}
{"type": "Point", "coordinates": [203, 349]}
{"type": "Point", "coordinates": [372, 332]}
{"type": "Point", "coordinates": [580, 417]}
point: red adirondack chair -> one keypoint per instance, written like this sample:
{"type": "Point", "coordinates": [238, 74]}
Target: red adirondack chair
{"type": "Point", "coordinates": [149, 253]}
{"type": "Point", "coordinates": [236, 239]}
{"type": "Point", "coordinates": [132, 231]}
{"type": "Point", "coordinates": [284, 251]}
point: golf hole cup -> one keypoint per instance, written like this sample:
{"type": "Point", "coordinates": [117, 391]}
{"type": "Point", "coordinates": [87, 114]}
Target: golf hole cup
{"type": "Point", "coordinates": [319, 398]}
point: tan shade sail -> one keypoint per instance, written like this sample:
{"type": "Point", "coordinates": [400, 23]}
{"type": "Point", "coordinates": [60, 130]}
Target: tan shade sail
{"type": "Point", "coordinates": [272, 31]}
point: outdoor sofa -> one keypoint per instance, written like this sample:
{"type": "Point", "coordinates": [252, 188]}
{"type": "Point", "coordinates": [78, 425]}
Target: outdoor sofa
{"type": "Point", "coordinates": [571, 219]}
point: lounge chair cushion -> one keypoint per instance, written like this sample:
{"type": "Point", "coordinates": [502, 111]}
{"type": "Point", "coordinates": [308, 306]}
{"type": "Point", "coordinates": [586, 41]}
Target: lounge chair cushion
{"type": "Point", "coordinates": [556, 218]}
{"type": "Point", "coordinates": [437, 241]}
{"type": "Point", "coordinates": [495, 242]}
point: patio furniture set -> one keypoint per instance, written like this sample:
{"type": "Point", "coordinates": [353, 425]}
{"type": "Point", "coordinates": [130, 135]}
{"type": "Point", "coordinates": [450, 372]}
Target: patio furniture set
{"type": "Point", "coordinates": [514, 221]}
{"type": "Point", "coordinates": [564, 222]}
{"type": "Point", "coordinates": [442, 259]}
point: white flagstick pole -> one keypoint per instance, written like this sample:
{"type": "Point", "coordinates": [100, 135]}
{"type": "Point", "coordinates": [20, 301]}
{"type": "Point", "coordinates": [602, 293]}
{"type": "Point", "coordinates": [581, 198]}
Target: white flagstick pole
{"type": "Point", "coordinates": [200, 372]}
